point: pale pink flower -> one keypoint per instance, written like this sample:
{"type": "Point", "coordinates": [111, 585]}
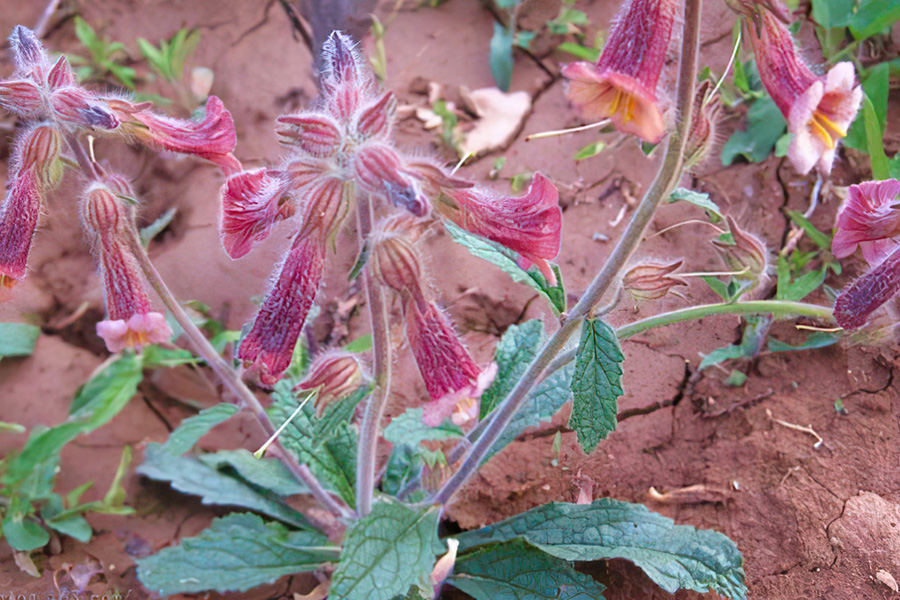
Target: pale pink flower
{"type": "Point", "coordinates": [140, 330]}
{"type": "Point", "coordinates": [869, 219]}
{"type": "Point", "coordinates": [819, 109]}
{"type": "Point", "coordinates": [622, 85]}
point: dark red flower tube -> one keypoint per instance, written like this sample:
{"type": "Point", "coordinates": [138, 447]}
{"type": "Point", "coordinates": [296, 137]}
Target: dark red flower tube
{"type": "Point", "coordinates": [858, 301]}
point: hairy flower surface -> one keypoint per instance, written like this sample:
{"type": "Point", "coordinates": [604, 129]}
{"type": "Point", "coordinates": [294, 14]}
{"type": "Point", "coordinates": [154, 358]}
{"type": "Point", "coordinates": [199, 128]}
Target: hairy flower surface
{"type": "Point", "coordinates": [130, 322]}
{"type": "Point", "coordinates": [334, 375]}
{"type": "Point", "coordinates": [650, 281]}
{"type": "Point", "coordinates": [622, 85]}
{"type": "Point", "coordinates": [858, 301]}
{"type": "Point", "coordinates": [819, 109]}
{"type": "Point", "coordinates": [869, 219]}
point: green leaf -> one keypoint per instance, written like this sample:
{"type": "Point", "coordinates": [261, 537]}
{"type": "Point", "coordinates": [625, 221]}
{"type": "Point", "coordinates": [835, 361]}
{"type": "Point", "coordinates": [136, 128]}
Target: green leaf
{"type": "Point", "coordinates": [18, 339]}
{"type": "Point", "coordinates": [818, 339]}
{"type": "Point", "coordinates": [403, 464]}
{"type": "Point", "coordinates": [596, 384]}
{"type": "Point", "coordinates": [822, 240]}
{"type": "Point", "coordinates": [267, 473]}
{"type": "Point", "coordinates": [501, 59]}
{"type": "Point", "coordinates": [873, 16]}
{"type": "Point", "coordinates": [189, 475]}
{"type": "Point", "coordinates": [874, 141]}
{"type": "Point", "coordinates": [765, 125]}
{"type": "Point", "coordinates": [876, 86]}
{"type": "Point", "coordinates": [516, 570]}
{"type": "Point", "coordinates": [154, 357]}
{"type": "Point", "coordinates": [386, 552]}
{"type": "Point", "coordinates": [11, 427]}
{"type": "Point", "coordinates": [514, 352]}
{"type": "Point", "coordinates": [409, 429]}
{"type": "Point", "coordinates": [674, 556]}
{"type": "Point", "coordinates": [193, 428]}
{"type": "Point", "coordinates": [329, 453]}
{"type": "Point", "coordinates": [590, 150]}
{"type": "Point", "coordinates": [70, 523]}
{"type": "Point", "coordinates": [698, 199]}
{"type": "Point", "coordinates": [237, 552]}
{"type": "Point", "coordinates": [720, 355]}
{"type": "Point", "coordinates": [107, 393]}
{"type": "Point", "coordinates": [506, 259]}
{"type": "Point", "coordinates": [831, 14]}
{"type": "Point", "coordinates": [582, 52]}
{"type": "Point", "coordinates": [156, 227]}
{"type": "Point", "coordinates": [23, 533]}
{"type": "Point", "coordinates": [361, 344]}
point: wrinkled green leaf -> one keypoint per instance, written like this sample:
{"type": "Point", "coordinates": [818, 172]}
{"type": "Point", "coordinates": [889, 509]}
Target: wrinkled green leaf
{"type": "Point", "coordinates": [267, 473]}
{"type": "Point", "coordinates": [817, 339]}
{"type": "Point", "coordinates": [674, 556]}
{"type": "Point", "coordinates": [506, 259]}
{"type": "Point", "coordinates": [596, 383]}
{"type": "Point", "coordinates": [409, 429]}
{"type": "Point", "coordinates": [765, 125]}
{"type": "Point", "coordinates": [235, 553]}
{"type": "Point", "coordinates": [18, 339]}
{"type": "Point", "coordinates": [193, 428]}
{"type": "Point", "coordinates": [23, 534]}
{"type": "Point", "coordinates": [516, 570]}
{"type": "Point", "coordinates": [385, 553]}
{"type": "Point", "coordinates": [514, 352]}
{"type": "Point", "coordinates": [189, 475]}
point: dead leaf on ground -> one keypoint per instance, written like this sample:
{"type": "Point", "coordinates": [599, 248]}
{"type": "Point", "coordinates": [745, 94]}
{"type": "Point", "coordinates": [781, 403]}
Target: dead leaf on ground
{"type": "Point", "coordinates": [499, 118]}
{"type": "Point", "coordinates": [886, 579]}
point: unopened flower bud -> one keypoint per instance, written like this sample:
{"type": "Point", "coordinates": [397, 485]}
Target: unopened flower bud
{"type": "Point", "coordinates": [315, 134]}
{"type": "Point", "coordinates": [702, 132]}
{"type": "Point", "coordinates": [375, 120]}
{"type": "Point", "coordinates": [335, 375]}
{"type": "Point", "coordinates": [443, 568]}
{"type": "Point", "coordinates": [28, 52]}
{"type": "Point", "coordinates": [130, 322]}
{"type": "Point", "coordinates": [748, 256]}
{"type": "Point", "coordinates": [857, 302]}
{"type": "Point", "coordinates": [393, 260]}
{"type": "Point", "coordinates": [328, 202]}
{"type": "Point", "coordinates": [379, 170]}
{"type": "Point", "coordinates": [346, 79]}
{"type": "Point", "coordinates": [650, 281]}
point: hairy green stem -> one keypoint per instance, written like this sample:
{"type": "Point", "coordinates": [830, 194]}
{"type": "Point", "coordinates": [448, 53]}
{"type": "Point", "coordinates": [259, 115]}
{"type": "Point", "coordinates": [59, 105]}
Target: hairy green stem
{"type": "Point", "coordinates": [381, 347]}
{"type": "Point", "coordinates": [668, 176]}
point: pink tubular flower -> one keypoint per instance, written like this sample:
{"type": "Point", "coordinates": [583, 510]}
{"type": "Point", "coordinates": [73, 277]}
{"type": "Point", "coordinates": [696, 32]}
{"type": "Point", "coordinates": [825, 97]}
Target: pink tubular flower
{"type": "Point", "coordinates": [35, 169]}
{"type": "Point", "coordinates": [530, 225]}
{"type": "Point", "coordinates": [212, 137]}
{"type": "Point", "coordinates": [252, 203]}
{"type": "Point", "coordinates": [276, 328]}
{"type": "Point", "coordinates": [130, 323]}
{"type": "Point", "coordinates": [869, 219]}
{"type": "Point", "coordinates": [858, 301]}
{"type": "Point", "coordinates": [380, 171]}
{"type": "Point", "coordinates": [452, 378]}
{"type": "Point", "coordinates": [819, 109]}
{"type": "Point", "coordinates": [622, 85]}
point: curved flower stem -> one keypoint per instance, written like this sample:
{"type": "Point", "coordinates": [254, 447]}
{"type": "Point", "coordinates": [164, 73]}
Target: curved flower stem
{"type": "Point", "coordinates": [381, 345]}
{"type": "Point", "coordinates": [232, 380]}
{"type": "Point", "coordinates": [669, 173]}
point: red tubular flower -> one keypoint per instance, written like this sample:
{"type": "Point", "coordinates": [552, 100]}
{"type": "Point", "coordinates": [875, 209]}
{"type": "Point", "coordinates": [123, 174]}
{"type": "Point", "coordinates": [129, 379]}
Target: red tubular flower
{"type": "Point", "coordinates": [346, 78]}
{"type": "Point", "coordinates": [252, 202]}
{"type": "Point", "coordinates": [452, 378]}
{"type": "Point", "coordinates": [276, 328]}
{"type": "Point", "coordinates": [530, 225]}
{"type": "Point", "coordinates": [379, 170]}
{"type": "Point", "coordinates": [212, 138]}
{"type": "Point", "coordinates": [130, 322]}
{"type": "Point", "coordinates": [819, 109]}
{"type": "Point", "coordinates": [315, 134]}
{"type": "Point", "coordinates": [857, 302]}
{"type": "Point", "coordinates": [622, 85]}
{"type": "Point", "coordinates": [869, 219]}
{"type": "Point", "coordinates": [35, 170]}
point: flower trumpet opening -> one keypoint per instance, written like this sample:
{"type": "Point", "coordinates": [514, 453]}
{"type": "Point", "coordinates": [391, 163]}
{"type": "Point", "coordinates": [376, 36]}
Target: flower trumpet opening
{"type": "Point", "coordinates": [819, 110]}
{"type": "Point", "coordinates": [622, 85]}
{"type": "Point", "coordinates": [252, 203]}
{"type": "Point", "coordinates": [139, 331]}
{"type": "Point", "coordinates": [869, 219]}
{"type": "Point", "coordinates": [530, 225]}
{"type": "Point", "coordinates": [269, 344]}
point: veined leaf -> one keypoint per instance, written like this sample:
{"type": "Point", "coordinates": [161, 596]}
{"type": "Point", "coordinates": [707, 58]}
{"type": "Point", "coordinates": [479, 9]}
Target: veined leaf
{"type": "Point", "coordinates": [514, 352]}
{"type": "Point", "coordinates": [765, 125]}
{"type": "Point", "coordinates": [507, 260]}
{"type": "Point", "coordinates": [596, 383]}
{"type": "Point", "coordinates": [698, 199]}
{"type": "Point", "coordinates": [674, 556]}
{"type": "Point", "coordinates": [385, 553]}
{"type": "Point", "coordinates": [516, 570]}
{"type": "Point", "coordinates": [409, 429]}
{"type": "Point", "coordinates": [267, 473]}
{"type": "Point", "coordinates": [235, 553]}
{"type": "Point", "coordinates": [193, 428]}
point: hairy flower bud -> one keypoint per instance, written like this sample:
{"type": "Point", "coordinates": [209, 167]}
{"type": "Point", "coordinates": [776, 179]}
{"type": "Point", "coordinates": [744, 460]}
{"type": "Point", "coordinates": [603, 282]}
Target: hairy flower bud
{"type": "Point", "coordinates": [530, 225]}
{"type": "Point", "coordinates": [335, 375]}
{"type": "Point", "coordinates": [315, 134]}
{"type": "Point", "coordinates": [650, 281]}
{"type": "Point", "coordinates": [130, 323]}
{"type": "Point", "coordinates": [252, 203]}
{"type": "Point", "coordinates": [28, 53]}
{"type": "Point", "coordinates": [269, 344]}
{"type": "Point", "coordinates": [622, 85]}
{"type": "Point", "coordinates": [345, 78]}
{"type": "Point", "coordinates": [379, 171]}
{"type": "Point", "coordinates": [869, 219]}
{"type": "Point", "coordinates": [393, 260]}
{"type": "Point", "coordinates": [819, 110]}
{"type": "Point", "coordinates": [747, 256]}
{"type": "Point", "coordinates": [858, 301]}
{"type": "Point", "coordinates": [702, 131]}
{"type": "Point", "coordinates": [375, 120]}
